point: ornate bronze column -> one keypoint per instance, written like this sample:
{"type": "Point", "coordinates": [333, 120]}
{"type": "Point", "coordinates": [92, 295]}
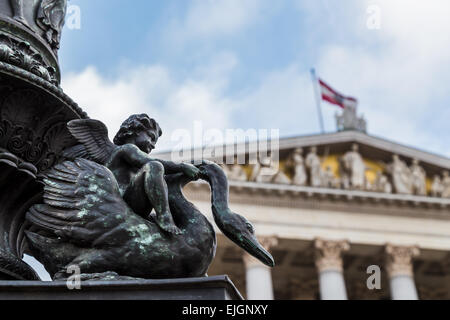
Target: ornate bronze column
{"type": "Point", "coordinates": [33, 116]}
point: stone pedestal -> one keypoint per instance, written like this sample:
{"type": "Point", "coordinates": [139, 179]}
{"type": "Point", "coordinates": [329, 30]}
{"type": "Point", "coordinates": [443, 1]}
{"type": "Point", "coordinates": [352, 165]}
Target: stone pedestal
{"type": "Point", "coordinates": [210, 288]}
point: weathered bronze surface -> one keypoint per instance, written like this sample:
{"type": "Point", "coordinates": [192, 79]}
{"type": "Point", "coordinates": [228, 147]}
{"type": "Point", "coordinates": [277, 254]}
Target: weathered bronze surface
{"type": "Point", "coordinates": [50, 18]}
{"type": "Point", "coordinates": [34, 113]}
{"type": "Point", "coordinates": [97, 217]}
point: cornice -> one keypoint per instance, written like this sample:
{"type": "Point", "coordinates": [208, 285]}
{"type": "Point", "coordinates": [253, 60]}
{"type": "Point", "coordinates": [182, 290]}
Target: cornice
{"type": "Point", "coordinates": [328, 139]}
{"type": "Point", "coordinates": [281, 191]}
{"type": "Point", "coordinates": [350, 201]}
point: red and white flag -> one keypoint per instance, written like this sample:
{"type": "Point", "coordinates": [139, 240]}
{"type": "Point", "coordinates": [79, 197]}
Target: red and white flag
{"type": "Point", "coordinates": [334, 97]}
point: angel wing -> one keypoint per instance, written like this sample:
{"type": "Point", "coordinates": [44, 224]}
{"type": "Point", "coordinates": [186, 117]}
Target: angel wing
{"type": "Point", "coordinates": [82, 204]}
{"type": "Point", "coordinates": [93, 136]}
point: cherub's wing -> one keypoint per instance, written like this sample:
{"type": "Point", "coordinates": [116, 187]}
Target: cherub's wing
{"type": "Point", "coordinates": [77, 151]}
{"type": "Point", "coordinates": [93, 135]}
{"type": "Point", "coordinates": [83, 205]}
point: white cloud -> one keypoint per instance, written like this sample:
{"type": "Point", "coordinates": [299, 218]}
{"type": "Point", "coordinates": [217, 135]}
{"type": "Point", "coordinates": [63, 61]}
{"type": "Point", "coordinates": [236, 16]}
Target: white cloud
{"type": "Point", "coordinates": [152, 90]}
{"type": "Point", "coordinates": [283, 100]}
{"type": "Point", "coordinates": [212, 18]}
{"type": "Point", "coordinates": [400, 73]}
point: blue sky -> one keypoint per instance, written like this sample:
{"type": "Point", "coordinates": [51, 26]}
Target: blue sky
{"type": "Point", "coordinates": [245, 64]}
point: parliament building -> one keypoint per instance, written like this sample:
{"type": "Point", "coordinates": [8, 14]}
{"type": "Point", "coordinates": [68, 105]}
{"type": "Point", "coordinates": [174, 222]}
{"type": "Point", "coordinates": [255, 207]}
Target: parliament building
{"type": "Point", "coordinates": [346, 215]}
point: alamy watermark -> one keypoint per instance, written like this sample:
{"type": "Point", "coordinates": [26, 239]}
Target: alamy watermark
{"type": "Point", "coordinates": [73, 282]}
{"type": "Point", "coordinates": [73, 17]}
{"type": "Point", "coordinates": [374, 280]}
{"type": "Point", "coordinates": [373, 17]}
{"type": "Point", "coordinates": [229, 146]}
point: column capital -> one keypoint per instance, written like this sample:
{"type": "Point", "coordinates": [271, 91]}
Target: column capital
{"type": "Point", "coordinates": [329, 254]}
{"type": "Point", "coordinates": [268, 242]}
{"type": "Point", "coordinates": [399, 259]}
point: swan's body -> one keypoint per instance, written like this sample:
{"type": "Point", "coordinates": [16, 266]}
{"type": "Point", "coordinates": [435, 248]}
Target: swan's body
{"type": "Point", "coordinates": [85, 222]}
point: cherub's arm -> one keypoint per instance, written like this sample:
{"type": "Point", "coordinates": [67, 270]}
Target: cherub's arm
{"type": "Point", "coordinates": [137, 158]}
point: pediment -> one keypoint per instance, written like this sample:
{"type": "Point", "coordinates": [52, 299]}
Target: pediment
{"type": "Point", "coordinates": [370, 147]}
{"type": "Point", "coordinates": [414, 172]}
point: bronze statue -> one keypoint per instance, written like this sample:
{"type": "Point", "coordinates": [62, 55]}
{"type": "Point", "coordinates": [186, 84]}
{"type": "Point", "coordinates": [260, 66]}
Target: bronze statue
{"type": "Point", "coordinates": [17, 6]}
{"type": "Point", "coordinates": [140, 178]}
{"type": "Point", "coordinates": [98, 216]}
{"type": "Point", "coordinates": [51, 17]}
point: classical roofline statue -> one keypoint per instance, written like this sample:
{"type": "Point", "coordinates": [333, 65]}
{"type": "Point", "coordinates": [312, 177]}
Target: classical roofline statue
{"type": "Point", "coordinates": [401, 175]}
{"type": "Point", "coordinates": [297, 166]}
{"type": "Point", "coordinates": [314, 165]}
{"type": "Point", "coordinates": [349, 120]}
{"type": "Point", "coordinates": [267, 170]}
{"type": "Point", "coordinates": [355, 168]}
{"type": "Point", "coordinates": [419, 178]}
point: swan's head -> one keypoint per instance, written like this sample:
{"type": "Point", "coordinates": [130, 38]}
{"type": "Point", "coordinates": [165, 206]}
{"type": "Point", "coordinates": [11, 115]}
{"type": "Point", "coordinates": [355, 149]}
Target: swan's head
{"type": "Point", "coordinates": [241, 231]}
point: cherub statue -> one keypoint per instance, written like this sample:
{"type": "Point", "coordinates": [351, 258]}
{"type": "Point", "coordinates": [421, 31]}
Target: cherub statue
{"type": "Point", "coordinates": [96, 205]}
{"type": "Point", "coordinates": [140, 177]}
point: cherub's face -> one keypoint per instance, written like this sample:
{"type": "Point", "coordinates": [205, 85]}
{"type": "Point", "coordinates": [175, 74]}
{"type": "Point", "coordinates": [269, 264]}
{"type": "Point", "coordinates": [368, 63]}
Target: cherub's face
{"type": "Point", "coordinates": [146, 140]}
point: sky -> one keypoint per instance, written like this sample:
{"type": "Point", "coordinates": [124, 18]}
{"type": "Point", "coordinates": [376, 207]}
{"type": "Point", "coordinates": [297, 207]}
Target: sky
{"type": "Point", "coordinates": [244, 64]}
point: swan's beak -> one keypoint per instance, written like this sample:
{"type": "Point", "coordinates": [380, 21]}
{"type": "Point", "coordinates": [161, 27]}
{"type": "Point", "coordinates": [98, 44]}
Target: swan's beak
{"type": "Point", "coordinates": [253, 247]}
{"type": "Point", "coordinates": [241, 232]}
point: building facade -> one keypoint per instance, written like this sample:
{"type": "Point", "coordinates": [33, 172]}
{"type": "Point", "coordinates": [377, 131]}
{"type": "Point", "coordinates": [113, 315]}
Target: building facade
{"type": "Point", "coordinates": [346, 215]}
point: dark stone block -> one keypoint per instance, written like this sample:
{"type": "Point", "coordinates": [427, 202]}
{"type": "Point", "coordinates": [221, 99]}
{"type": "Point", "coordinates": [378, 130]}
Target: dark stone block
{"type": "Point", "coordinates": [209, 288]}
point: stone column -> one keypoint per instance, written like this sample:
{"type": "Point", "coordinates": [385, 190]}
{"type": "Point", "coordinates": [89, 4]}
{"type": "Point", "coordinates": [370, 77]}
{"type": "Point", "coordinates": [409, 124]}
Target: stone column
{"type": "Point", "coordinates": [400, 271]}
{"type": "Point", "coordinates": [258, 275]}
{"type": "Point", "coordinates": [330, 268]}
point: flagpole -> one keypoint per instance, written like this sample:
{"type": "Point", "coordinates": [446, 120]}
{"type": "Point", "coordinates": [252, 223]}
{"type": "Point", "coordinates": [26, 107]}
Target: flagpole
{"type": "Point", "coordinates": [318, 99]}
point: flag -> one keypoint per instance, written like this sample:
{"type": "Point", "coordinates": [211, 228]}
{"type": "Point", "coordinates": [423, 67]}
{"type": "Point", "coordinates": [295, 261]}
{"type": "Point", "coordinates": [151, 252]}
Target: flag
{"type": "Point", "coordinates": [334, 97]}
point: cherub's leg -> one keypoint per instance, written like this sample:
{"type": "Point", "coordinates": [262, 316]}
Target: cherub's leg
{"type": "Point", "coordinates": [147, 190]}
{"type": "Point", "coordinates": [136, 197]}
{"type": "Point", "coordinates": [156, 188]}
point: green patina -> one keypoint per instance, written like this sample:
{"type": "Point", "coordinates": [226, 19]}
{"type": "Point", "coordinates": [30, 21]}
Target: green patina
{"type": "Point", "coordinates": [142, 236]}
{"type": "Point", "coordinates": [82, 213]}
{"type": "Point", "coordinates": [93, 187]}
